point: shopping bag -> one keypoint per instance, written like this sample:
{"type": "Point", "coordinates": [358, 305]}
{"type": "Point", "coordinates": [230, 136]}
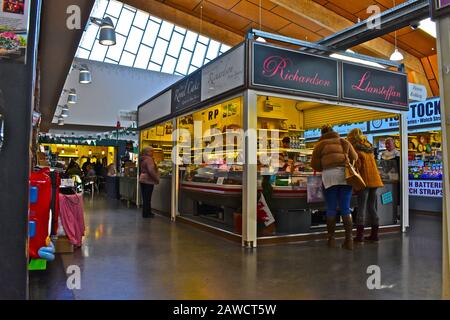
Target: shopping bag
{"type": "Point", "coordinates": [263, 212]}
{"type": "Point", "coordinates": [314, 189]}
{"type": "Point", "coordinates": [352, 175]}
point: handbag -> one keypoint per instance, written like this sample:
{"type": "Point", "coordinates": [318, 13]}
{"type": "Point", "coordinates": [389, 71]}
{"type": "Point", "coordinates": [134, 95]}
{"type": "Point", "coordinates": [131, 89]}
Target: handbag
{"type": "Point", "coordinates": [352, 175]}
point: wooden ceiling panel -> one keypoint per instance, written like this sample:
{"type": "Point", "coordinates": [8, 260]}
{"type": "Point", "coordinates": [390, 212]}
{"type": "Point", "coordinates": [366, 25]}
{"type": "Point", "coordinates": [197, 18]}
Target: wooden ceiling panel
{"type": "Point", "coordinates": [269, 19]}
{"type": "Point", "coordinates": [324, 32]}
{"type": "Point", "coordinates": [434, 65]}
{"type": "Point", "coordinates": [420, 42]}
{"type": "Point", "coordinates": [188, 4]}
{"type": "Point", "coordinates": [266, 4]}
{"type": "Point", "coordinates": [296, 18]}
{"type": "Point", "coordinates": [341, 12]}
{"type": "Point", "coordinates": [295, 31]}
{"type": "Point", "coordinates": [219, 14]}
{"type": "Point", "coordinates": [435, 87]}
{"type": "Point", "coordinates": [226, 4]}
{"type": "Point", "coordinates": [390, 3]}
{"type": "Point", "coordinates": [255, 25]}
{"type": "Point", "coordinates": [353, 7]}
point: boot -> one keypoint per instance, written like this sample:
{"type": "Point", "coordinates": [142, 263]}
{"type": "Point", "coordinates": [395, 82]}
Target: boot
{"type": "Point", "coordinates": [373, 234]}
{"type": "Point", "coordinates": [348, 226]}
{"type": "Point", "coordinates": [331, 227]}
{"type": "Point", "coordinates": [359, 234]}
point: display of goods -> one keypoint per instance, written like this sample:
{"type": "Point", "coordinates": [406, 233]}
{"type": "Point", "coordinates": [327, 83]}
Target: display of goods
{"type": "Point", "coordinates": [9, 42]}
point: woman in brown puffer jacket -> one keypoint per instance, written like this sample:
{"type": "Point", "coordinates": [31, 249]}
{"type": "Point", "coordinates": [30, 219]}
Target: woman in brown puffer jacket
{"type": "Point", "coordinates": [367, 198]}
{"type": "Point", "coordinates": [329, 157]}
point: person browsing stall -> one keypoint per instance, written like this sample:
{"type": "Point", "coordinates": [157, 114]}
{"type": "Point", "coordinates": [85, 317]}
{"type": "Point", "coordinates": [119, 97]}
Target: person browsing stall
{"type": "Point", "coordinates": [367, 198]}
{"type": "Point", "coordinates": [148, 178]}
{"type": "Point", "coordinates": [329, 157]}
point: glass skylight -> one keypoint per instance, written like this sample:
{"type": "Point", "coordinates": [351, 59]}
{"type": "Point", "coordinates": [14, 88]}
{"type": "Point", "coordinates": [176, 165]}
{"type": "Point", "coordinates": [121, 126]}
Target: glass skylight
{"type": "Point", "coordinates": [147, 42]}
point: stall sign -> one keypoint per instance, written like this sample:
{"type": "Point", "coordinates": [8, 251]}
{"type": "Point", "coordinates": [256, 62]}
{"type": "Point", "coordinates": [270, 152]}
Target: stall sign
{"type": "Point", "coordinates": [14, 19]}
{"type": "Point", "coordinates": [224, 74]}
{"type": "Point", "coordinates": [365, 84]}
{"type": "Point", "coordinates": [293, 70]}
{"type": "Point", "coordinates": [417, 92]}
{"type": "Point", "coordinates": [187, 92]}
{"type": "Point", "coordinates": [425, 188]}
{"type": "Point", "coordinates": [420, 114]}
{"type": "Point", "coordinates": [343, 130]}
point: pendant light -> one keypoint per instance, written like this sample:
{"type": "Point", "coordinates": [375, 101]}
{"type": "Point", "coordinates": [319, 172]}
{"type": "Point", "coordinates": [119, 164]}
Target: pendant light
{"type": "Point", "coordinates": [260, 39]}
{"type": "Point", "coordinates": [65, 113]}
{"type": "Point", "coordinates": [396, 55]}
{"type": "Point", "coordinates": [60, 121]}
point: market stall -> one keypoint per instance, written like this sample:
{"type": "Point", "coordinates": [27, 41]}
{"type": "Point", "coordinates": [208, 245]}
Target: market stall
{"type": "Point", "coordinates": [238, 144]}
{"type": "Point", "coordinates": [424, 152]}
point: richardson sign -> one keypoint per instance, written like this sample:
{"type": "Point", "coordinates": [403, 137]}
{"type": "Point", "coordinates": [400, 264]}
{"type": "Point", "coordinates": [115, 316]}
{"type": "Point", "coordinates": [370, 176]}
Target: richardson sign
{"type": "Point", "coordinates": [424, 188]}
{"type": "Point", "coordinates": [186, 93]}
{"type": "Point", "coordinates": [292, 70]}
{"type": "Point", "coordinates": [364, 84]}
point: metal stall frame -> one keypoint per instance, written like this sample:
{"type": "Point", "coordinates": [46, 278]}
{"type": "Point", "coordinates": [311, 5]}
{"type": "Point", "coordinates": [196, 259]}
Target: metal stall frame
{"type": "Point", "coordinates": [249, 93]}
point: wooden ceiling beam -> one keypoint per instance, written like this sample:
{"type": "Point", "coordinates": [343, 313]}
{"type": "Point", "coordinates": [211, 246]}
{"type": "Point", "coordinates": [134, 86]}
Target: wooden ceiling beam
{"type": "Point", "coordinates": [188, 21]}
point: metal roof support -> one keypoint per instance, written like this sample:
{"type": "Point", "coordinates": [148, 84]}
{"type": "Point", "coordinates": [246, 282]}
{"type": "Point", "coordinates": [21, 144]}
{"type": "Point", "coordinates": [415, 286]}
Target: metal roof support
{"type": "Point", "coordinates": [409, 13]}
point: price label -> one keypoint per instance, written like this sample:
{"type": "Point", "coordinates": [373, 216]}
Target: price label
{"type": "Point", "coordinates": [220, 181]}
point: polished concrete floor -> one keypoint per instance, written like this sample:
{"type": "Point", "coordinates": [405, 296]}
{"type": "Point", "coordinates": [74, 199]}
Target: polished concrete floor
{"type": "Point", "coordinates": [126, 257]}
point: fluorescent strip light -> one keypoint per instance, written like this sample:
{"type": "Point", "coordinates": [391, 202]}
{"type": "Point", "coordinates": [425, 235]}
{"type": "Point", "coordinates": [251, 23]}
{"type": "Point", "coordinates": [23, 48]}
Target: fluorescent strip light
{"type": "Point", "coordinates": [429, 27]}
{"type": "Point", "coordinates": [351, 59]}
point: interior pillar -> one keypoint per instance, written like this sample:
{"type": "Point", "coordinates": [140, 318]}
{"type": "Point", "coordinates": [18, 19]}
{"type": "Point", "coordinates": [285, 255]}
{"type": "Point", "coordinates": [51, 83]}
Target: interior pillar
{"type": "Point", "coordinates": [249, 186]}
{"type": "Point", "coordinates": [17, 82]}
{"type": "Point", "coordinates": [443, 40]}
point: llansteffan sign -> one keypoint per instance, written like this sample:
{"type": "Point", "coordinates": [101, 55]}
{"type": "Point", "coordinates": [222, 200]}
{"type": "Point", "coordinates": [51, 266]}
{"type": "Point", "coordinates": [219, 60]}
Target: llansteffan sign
{"type": "Point", "coordinates": [364, 84]}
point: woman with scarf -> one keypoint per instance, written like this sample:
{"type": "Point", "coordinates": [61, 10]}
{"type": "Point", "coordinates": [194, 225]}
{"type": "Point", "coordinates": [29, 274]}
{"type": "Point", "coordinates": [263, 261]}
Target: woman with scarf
{"type": "Point", "coordinates": [367, 198]}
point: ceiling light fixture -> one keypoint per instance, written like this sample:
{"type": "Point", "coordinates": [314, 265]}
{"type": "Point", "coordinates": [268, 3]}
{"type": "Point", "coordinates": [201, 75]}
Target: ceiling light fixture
{"type": "Point", "coordinates": [60, 121]}
{"type": "Point", "coordinates": [396, 55]}
{"type": "Point", "coordinates": [72, 98]}
{"type": "Point", "coordinates": [85, 76]}
{"type": "Point", "coordinates": [65, 113]}
{"type": "Point", "coordinates": [352, 59]}
{"type": "Point", "coordinates": [260, 39]}
{"type": "Point", "coordinates": [107, 33]}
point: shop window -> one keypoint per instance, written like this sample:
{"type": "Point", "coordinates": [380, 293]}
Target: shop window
{"type": "Point", "coordinates": [210, 155]}
{"type": "Point", "coordinates": [287, 132]}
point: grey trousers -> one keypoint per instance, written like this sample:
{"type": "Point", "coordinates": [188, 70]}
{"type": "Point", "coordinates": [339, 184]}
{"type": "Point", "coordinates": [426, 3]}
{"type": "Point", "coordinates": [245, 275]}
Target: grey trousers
{"type": "Point", "coordinates": [367, 207]}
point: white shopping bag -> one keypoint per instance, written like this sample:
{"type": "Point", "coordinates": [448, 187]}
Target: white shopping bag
{"type": "Point", "coordinates": [314, 190]}
{"type": "Point", "coordinates": [264, 212]}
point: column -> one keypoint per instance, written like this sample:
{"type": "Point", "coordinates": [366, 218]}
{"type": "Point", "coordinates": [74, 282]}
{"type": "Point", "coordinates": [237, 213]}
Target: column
{"type": "Point", "coordinates": [249, 186]}
{"type": "Point", "coordinates": [16, 96]}
{"type": "Point", "coordinates": [443, 40]}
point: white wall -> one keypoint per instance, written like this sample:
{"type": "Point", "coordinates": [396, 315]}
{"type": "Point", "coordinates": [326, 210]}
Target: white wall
{"type": "Point", "coordinates": [113, 88]}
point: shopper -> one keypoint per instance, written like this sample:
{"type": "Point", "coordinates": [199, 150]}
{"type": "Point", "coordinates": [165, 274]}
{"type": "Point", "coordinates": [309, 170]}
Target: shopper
{"type": "Point", "coordinates": [73, 169]}
{"type": "Point", "coordinates": [329, 157]}
{"type": "Point", "coordinates": [367, 198]}
{"type": "Point", "coordinates": [148, 178]}
{"type": "Point", "coordinates": [85, 165]}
